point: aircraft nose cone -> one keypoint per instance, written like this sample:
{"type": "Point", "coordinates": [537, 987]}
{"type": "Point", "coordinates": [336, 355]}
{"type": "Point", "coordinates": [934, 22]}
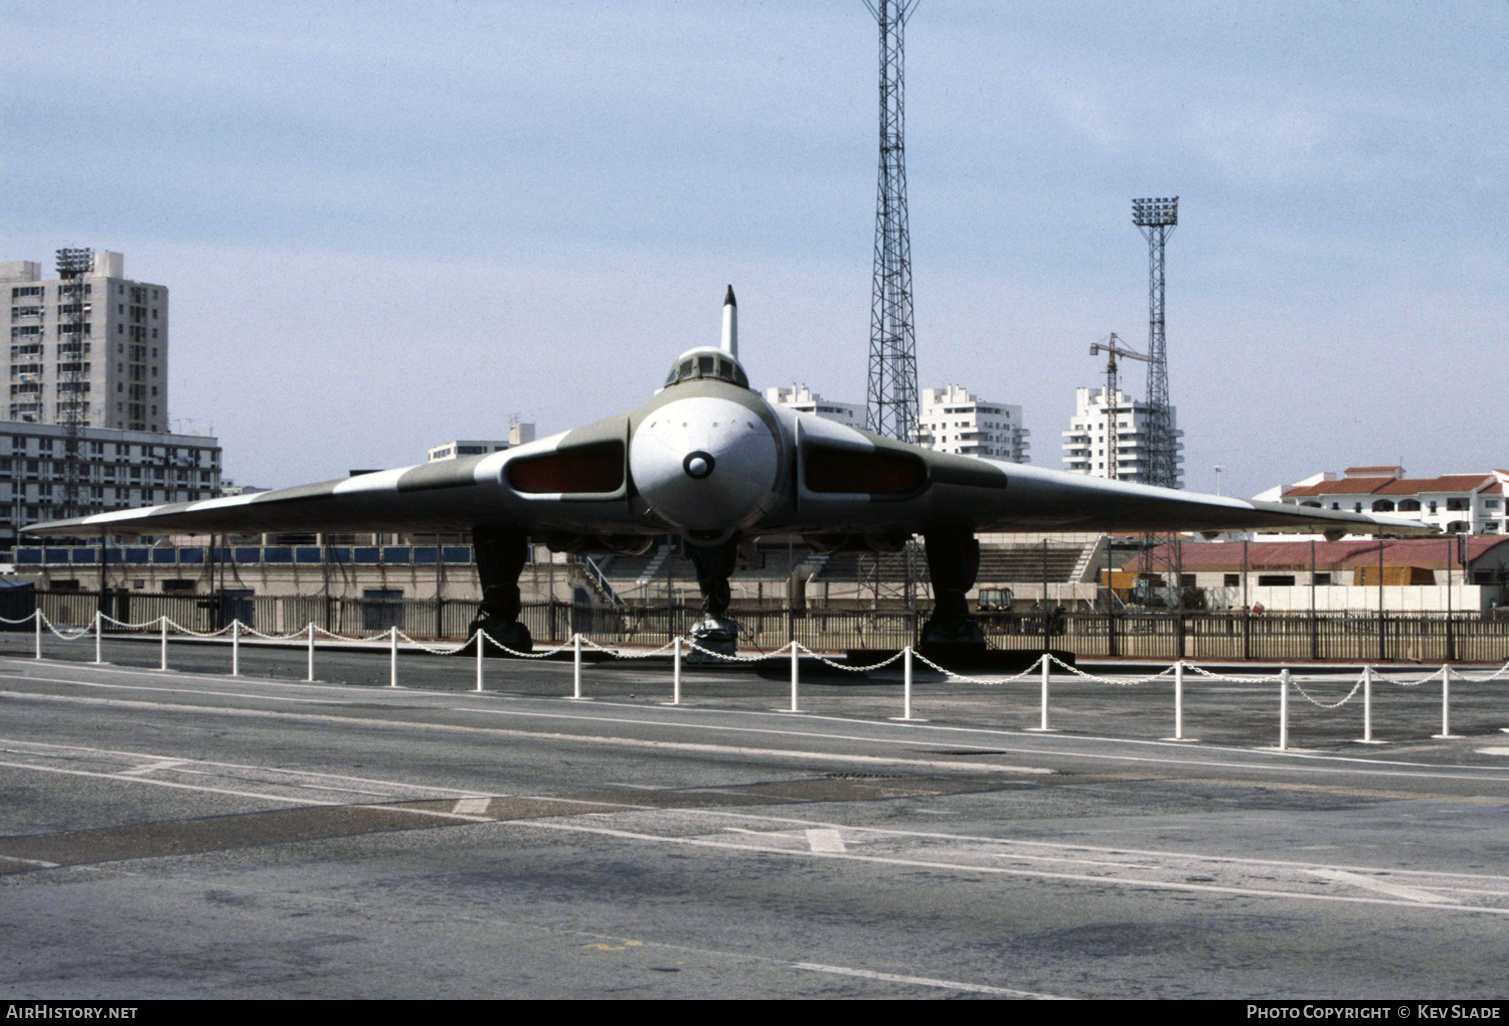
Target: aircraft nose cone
{"type": "Point", "coordinates": [698, 464]}
{"type": "Point", "coordinates": [704, 464]}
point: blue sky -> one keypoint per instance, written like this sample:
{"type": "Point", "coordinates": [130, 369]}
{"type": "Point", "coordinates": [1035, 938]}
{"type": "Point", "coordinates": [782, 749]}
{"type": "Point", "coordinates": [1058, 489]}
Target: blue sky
{"type": "Point", "coordinates": [385, 226]}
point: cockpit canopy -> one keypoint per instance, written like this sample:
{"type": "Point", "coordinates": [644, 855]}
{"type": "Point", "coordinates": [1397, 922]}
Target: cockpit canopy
{"type": "Point", "coordinates": [707, 362]}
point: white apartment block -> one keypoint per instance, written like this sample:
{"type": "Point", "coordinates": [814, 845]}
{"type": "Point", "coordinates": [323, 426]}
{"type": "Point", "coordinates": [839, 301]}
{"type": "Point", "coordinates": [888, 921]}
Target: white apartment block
{"type": "Point", "coordinates": [954, 420]}
{"type": "Point", "coordinates": [1455, 503]}
{"type": "Point", "coordinates": [97, 345]}
{"type": "Point", "coordinates": [1085, 443]}
{"type": "Point", "coordinates": [518, 434]}
{"type": "Point", "coordinates": [119, 470]}
{"type": "Point", "coordinates": [803, 400]}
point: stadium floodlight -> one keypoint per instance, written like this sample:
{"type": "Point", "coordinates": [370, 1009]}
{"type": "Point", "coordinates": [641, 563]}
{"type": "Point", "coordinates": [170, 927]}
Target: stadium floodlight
{"type": "Point", "coordinates": [1155, 213]}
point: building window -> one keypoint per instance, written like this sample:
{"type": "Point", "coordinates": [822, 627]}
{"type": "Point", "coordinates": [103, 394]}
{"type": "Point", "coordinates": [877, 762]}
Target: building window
{"type": "Point", "coordinates": [1275, 580]}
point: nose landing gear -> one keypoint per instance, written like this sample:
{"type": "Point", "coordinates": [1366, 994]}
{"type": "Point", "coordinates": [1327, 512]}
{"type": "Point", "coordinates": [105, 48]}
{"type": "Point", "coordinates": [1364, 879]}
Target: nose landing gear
{"type": "Point", "coordinates": [714, 564]}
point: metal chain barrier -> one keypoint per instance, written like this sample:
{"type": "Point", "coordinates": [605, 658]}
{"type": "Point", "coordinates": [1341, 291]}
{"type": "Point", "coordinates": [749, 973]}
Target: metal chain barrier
{"type": "Point", "coordinates": [432, 651]}
{"type": "Point", "coordinates": [1121, 682]}
{"type": "Point", "coordinates": [1405, 683]}
{"type": "Point", "coordinates": [976, 680]}
{"type": "Point", "coordinates": [1255, 679]}
{"type": "Point", "coordinates": [844, 666]}
{"type": "Point", "coordinates": [495, 643]}
{"type": "Point", "coordinates": [199, 634]}
{"type": "Point", "coordinates": [131, 626]}
{"type": "Point", "coordinates": [620, 654]}
{"type": "Point", "coordinates": [780, 653]}
{"type": "Point", "coordinates": [247, 631]}
{"type": "Point", "coordinates": [379, 636]}
{"type": "Point", "coordinates": [79, 632]}
{"type": "Point", "coordinates": [1323, 705]}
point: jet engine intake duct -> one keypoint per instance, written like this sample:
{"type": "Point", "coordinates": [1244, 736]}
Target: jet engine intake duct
{"type": "Point", "coordinates": [595, 470]}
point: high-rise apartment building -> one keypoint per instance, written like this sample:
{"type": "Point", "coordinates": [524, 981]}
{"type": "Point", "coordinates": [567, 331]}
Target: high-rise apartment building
{"type": "Point", "coordinates": [954, 420]}
{"type": "Point", "coordinates": [1085, 443]}
{"type": "Point", "coordinates": [96, 344]}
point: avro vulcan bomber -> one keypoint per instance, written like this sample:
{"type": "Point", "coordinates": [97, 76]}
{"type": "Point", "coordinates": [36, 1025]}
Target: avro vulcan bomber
{"type": "Point", "coordinates": [707, 458]}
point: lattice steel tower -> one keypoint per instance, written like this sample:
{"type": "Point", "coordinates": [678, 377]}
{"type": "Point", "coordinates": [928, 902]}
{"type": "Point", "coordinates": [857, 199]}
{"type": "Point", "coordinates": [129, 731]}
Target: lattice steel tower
{"type": "Point", "coordinates": [1157, 219]}
{"type": "Point", "coordinates": [891, 399]}
{"type": "Point", "coordinates": [72, 410]}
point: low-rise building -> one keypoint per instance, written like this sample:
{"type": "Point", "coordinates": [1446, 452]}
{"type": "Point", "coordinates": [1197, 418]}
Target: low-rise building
{"type": "Point", "coordinates": [1086, 444]}
{"type": "Point", "coordinates": [803, 400]}
{"type": "Point", "coordinates": [117, 470]}
{"type": "Point", "coordinates": [1348, 576]}
{"type": "Point", "coordinates": [518, 434]}
{"type": "Point", "coordinates": [952, 419]}
{"type": "Point", "coordinates": [1456, 503]}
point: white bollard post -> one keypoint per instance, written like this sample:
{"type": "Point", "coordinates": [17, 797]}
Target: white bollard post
{"type": "Point", "coordinates": [576, 687]}
{"type": "Point", "coordinates": [906, 683]}
{"type": "Point", "coordinates": [480, 643]}
{"type": "Point", "coordinates": [1367, 706]}
{"type": "Point", "coordinates": [1179, 703]}
{"type": "Point", "coordinates": [1445, 701]}
{"type": "Point", "coordinates": [393, 656]}
{"type": "Point", "coordinates": [99, 621]}
{"type": "Point", "coordinates": [309, 673]}
{"type": "Point", "coordinates": [1179, 700]}
{"type": "Point", "coordinates": [162, 663]}
{"type": "Point", "coordinates": [676, 670]}
{"type": "Point", "coordinates": [1283, 711]}
{"type": "Point", "coordinates": [795, 676]}
{"type": "Point", "coordinates": [236, 648]}
{"type": "Point", "coordinates": [1042, 727]}
{"type": "Point", "coordinates": [39, 633]}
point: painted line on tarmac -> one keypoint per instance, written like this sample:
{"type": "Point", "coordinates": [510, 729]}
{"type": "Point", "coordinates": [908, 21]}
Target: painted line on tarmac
{"type": "Point", "coordinates": [924, 981]}
{"type": "Point", "coordinates": [165, 783]}
{"type": "Point", "coordinates": [303, 777]}
{"type": "Point", "coordinates": [1372, 883]}
{"type": "Point", "coordinates": [1101, 850]}
{"type": "Point", "coordinates": [1034, 746]}
{"type": "Point", "coordinates": [589, 739]}
{"type": "Point", "coordinates": [1286, 762]}
{"type": "Point", "coordinates": [1444, 905]}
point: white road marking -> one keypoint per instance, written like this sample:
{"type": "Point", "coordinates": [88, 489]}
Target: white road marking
{"type": "Point", "coordinates": [16, 746]}
{"type": "Point", "coordinates": [826, 841]}
{"type": "Point", "coordinates": [588, 739]}
{"type": "Point", "coordinates": [1032, 744]}
{"type": "Point", "coordinates": [167, 783]}
{"type": "Point", "coordinates": [1373, 883]}
{"type": "Point", "coordinates": [153, 767]}
{"type": "Point", "coordinates": [941, 864]}
{"type": "Point", "coordinates": [924, 981]}
{"type": "Point", "coordinates": [29, 862]}
{"type": "Point", "coordinates": [472, 806]}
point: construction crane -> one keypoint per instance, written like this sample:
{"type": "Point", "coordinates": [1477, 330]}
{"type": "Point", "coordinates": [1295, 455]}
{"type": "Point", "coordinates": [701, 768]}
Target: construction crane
{"type": "Point", "coordinates": [1113, 347]}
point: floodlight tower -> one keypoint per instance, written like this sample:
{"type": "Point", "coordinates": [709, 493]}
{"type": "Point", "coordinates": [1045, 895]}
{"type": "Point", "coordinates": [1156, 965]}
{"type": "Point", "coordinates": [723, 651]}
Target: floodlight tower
{"type": "Point", "coordinates": [1156, 219]}
{"type": "Point", "coordinates": [71, 409]}
{"type": "Point", "coordinates": [891, 398]}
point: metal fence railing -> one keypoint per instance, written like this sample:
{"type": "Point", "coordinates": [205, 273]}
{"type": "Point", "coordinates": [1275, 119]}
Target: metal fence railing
{"type": "Point", "coordinates": [1389, 637]}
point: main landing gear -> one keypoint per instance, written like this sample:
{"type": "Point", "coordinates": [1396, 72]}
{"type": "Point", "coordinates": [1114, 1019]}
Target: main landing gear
{"type": "Point", "coordinates": [500, 554]}
{"type": "Point", "coordinates": [953, 560]}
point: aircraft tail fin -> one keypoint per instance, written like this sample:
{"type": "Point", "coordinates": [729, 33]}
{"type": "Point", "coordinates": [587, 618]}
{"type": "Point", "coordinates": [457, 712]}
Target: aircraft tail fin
{"type": "Point", "coordinates": [731, 324]}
